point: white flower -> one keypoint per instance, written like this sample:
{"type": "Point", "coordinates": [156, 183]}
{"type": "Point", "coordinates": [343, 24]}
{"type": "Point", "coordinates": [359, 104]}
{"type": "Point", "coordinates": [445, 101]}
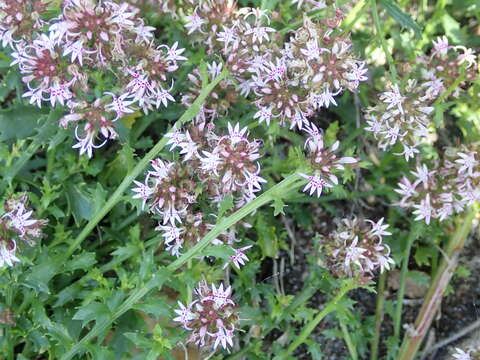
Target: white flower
{"type": "Point", "coordinates": [143, 191]}
{"type": "Point", "coordinates": [393, 98]}
{"type": "Point", "coordinates": [239, 258]}
{"type": "Point", "coordinates": [424, 210]}
{"type": "Point", "coordinates": [264, 114]}
{"type": "Point", "coordinates": [185, 315]}
{"type": "Point", "coordinates": [378, 229]}
{"type": "Point", "coordinates": [220, 296]}
{"type": "Point", "coordinates": [224, 337]}
{"type": "Point", "coordinates": [7, 256]}
{"type": "Point", "coordinates": [315, 184]}
{"type": "Point", "coordinates": [194, 22]}
{"type": "Point", "coordinates": [468, 56]}
{"type": "Point", "coordinates": [467, 162]}
{"type": "Point", "coordinates": [461, 355]}
{"type": "Point", "coordinates": [86, 144]}
{"type": "Point", "coordinates": [441, 45]}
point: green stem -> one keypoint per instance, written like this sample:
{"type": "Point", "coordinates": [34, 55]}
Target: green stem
{"type": "Point", "coordinates": [278, 191]}
{"type": "Point", "coordinates": [348, 340]}
{"type": "Point", "coordinates": [378, 315]}
{"type": "Point", "coordinates": [307, 330]}
{"type": "Point", "coordinates": [381, 38]}
{"type": "Point", "coordinates": [414, 233]}
{"type": "Point", "coordinates": [414, 337]}
{"type": "Point", "coordinates": [116, 196]}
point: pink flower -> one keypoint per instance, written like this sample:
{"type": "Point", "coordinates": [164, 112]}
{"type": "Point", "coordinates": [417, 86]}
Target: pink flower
{"type": "Point", "coordinates": [239, 258]}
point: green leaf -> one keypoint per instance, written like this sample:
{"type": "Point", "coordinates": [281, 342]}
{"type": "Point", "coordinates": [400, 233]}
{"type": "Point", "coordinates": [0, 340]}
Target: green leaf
{"type": "Point", "coordinates": [80, 203]}
{"type": "Point", "coordinates": [93, 311]}
{"type": "Point", "coordinates": [219, 251]}
{"type": "Point", "coordinates": [156, 307]}
{"type": "Point", "coordinates": [41, 274]}
{"type": "Point", "coordinates": [225, 205]}
{"type": "Point", "coordinates": [19, 121]}
{"type": "Point", "coordinates": [404, 19]}
{"type": "Point", "coordinates": [83, 261]}
{"type": "Point", "coordinates": [278, 206]}
{"type": "Point", "coordinates": [331, 133]}
{"type": "Point", "coordinates": [423, 254]}
{"type": "Point", "coordinates": [123, 163]}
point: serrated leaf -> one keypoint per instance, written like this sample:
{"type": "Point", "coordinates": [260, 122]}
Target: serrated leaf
{"type": "Point", "coordinates": [404, 19]}
{"type": "Point", "coordinates": [80, 203]}
{"type": "Point", "coordinates": [19, 121]}
{"type": "Point", "coordinates": [278, 206]}
{"type": "Point", "coordinates": [83, 261]}
{"type": "Point", "coordinates": [68, 294]}
{"type": "Point", "coordinates": [120, 166]}
{"type": "Point", "coordinates": [225, 205]}
{"type": "Point", "coordinates": [219, 251]}
{"type": "Point", "coordinates": [331, 133]}
{"type": "Point", "coordinates": [92, 311]}
{"type": "Point", "coordinates": [41, 274]}
{"type": "Point", "coordinates": [154, 306]}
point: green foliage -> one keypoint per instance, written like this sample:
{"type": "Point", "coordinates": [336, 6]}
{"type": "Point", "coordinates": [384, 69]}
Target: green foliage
{"type": "Point", "coordinates": [109, 290]}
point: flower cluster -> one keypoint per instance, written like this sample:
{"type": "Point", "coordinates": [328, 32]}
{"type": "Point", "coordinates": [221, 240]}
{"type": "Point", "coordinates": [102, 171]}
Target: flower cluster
{"type": "Point", "coordinates": [21, 20]}
{"type": "Point", "coordinates": [211, 316]}
{"type": "Point", "coordinates": [17, 224]}
{"type": "Point", "coordinates": [84, 46]}
{"type": "Point", "coordinates": [213, 167]}
{"type": "Point", "coordinates": [324, 162]}
{"type": "Point", "coordinates": [356, 248]}
{"type": "Point", "coordinates": [316, 65]}
{"type": "Point", "coordinates": [290, 81]}
{"type": "Point", "coordinates": [445, 65]}
{"type": "Point", "coordinates": [241, 37]}
{"type": "Point", "coordinates": [402, 117]}
{"type": "Point", "coordinates": [444, 188]}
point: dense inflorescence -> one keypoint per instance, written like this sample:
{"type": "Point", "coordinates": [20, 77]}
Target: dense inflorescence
{"type": "Point", "coordinates": [404, 114]}
{"type": "Point", "coordinates": [445, 65]}
{"type": "Point", "coordinates": [213, 167]}
{"type": "Point", "coordinates": [356, 249]}
{"type": "Point", "coordinates": [401, 117]}
{"type": "Point", "coordinates": [316, 65]}
{"type": "Point", "coordinates": [17, 224]}
{"type": "Point", "coordinates": [286, 81]}
{"type": "Point", "coordinates": [445, 187]}
{"type": "Point", "coordinates": [211, 316]}
{"type": "Point", "coordinates": [89, 41]}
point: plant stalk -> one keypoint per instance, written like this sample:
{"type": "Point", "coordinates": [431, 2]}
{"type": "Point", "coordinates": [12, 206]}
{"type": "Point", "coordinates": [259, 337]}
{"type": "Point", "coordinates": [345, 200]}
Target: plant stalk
{"type": "Point", "coordinates": [378, 315]}
{"type": "Point", "coordinates": [414, 336]}
{"type": "Point", "coordinates": [348, 340]}
{"type": "Point", "coordinates": [381, 38]}
{"type": "Point", "coordinates": [414, 233]}
{"type": "Point", "coordinates": [117, 195]}
{"type": "Point", "coordinates": [279, 190]}
{"type": "Point", "coordinates": [307, 330]}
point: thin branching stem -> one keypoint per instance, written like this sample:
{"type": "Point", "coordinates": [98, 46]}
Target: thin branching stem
{"type": "Point", "coordinates": [307, 330]}
{"type": "Point", "coordinates": [414, 337]}
{"type": "Point", "coordinates": [142, 164]}
{"type": "Point", "coordinates": [292, 181]}
{"type": "Point", "coordinates": [348, 340]}
{"type": "Point", "coordinates": [414, 233]}
{"type": "Point", "coordinates": [378, 315]}
{"type": "Point", "coordinates": [381, 38]}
